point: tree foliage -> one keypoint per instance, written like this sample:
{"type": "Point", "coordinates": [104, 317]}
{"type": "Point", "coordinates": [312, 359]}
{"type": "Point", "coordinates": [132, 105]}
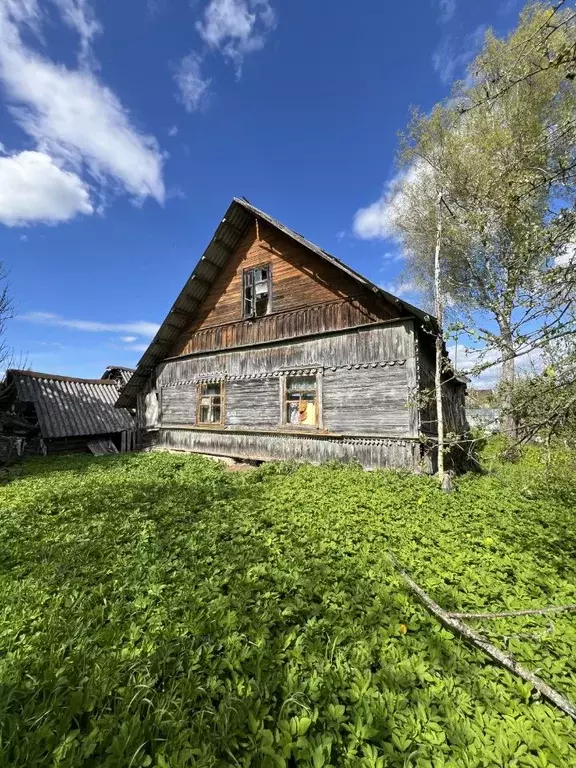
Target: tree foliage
{"type": "Point", "coordinates": [502, 152]}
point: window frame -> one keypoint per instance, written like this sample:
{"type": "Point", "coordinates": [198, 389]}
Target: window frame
{"type": "Point", "coordinates": [200, 395]}
{"type": "Point", "coordinates": [319, 423]}
{"type": "Point", "coordinates": [254, 316]}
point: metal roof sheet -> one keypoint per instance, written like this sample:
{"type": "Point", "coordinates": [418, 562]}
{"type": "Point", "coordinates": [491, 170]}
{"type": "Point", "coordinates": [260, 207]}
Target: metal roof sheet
{"type": "Point", "coordinates": [68, 407]}
{"type": "Point", "coordinates": [228, 234]}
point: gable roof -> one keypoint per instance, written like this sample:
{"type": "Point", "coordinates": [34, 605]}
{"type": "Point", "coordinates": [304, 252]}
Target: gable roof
{"type": "Point", "coordinates": [70, 407]}
{"type": "Point", "coordinates": [229, 232]}
{"type": "Point", "coordinates": [120, 374]}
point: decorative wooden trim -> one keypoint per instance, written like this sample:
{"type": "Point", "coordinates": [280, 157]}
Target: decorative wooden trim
{"type": "Point", "coordinates": [303, 370]}
{"type": "Point", "coordinates": [281, 341]}
{"type": "Point", "coordinates": [300, 433]}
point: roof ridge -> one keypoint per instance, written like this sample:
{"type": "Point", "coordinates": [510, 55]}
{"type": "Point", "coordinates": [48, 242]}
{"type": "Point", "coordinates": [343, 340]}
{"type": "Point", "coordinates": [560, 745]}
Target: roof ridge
{"type": "Point", "coordinates": [58, 377]}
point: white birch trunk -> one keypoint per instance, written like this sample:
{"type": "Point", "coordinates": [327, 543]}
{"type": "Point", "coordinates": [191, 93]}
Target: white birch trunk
{"type": "Point", "coordinates": [439, 339]}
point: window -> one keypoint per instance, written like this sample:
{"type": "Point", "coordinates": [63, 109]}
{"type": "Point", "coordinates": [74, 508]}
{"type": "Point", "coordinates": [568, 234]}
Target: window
{"type": "Point", "coordinates": [301, 401]}
{"type": "Point", "coordinates": [256, 295]}
{"type": "Point", "coordinates": [210, 403]}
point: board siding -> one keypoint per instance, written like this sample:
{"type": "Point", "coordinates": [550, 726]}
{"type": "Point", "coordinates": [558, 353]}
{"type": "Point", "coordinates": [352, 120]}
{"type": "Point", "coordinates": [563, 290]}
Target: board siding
{"type": "Point", "coordinates": [253, 403]}
{"type": "Point", "coordinates": [377, 344]}
{"type": "Point", "coordinates": [364, 402]}
{"type": "Point", "coordinates": [178, 404]}
{"type": "Point", "coordinates": [376, 454]}
{"type": "Point", "coordinates": [365, 377]}
{"type": "Point", "coordinates": [301, 284]}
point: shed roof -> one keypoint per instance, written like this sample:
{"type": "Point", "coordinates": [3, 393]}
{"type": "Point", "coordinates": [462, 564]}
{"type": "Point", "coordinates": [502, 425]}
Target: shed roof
{"type": "Point", "coordinates": [70, 407]}
{"type": "Point", "coordinates": [232, 228]}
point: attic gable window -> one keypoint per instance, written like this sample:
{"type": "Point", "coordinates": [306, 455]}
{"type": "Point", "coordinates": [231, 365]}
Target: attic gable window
{"type": "Point", "coordinates": [257, 291]}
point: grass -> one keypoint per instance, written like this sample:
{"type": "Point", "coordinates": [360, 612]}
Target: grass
{"type": "Point", "coordinates": [156, 610]}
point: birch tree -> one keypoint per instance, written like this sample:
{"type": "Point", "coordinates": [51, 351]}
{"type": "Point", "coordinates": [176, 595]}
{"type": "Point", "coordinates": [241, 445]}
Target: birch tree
{"type": "Point", "coordinates": [503, 151]}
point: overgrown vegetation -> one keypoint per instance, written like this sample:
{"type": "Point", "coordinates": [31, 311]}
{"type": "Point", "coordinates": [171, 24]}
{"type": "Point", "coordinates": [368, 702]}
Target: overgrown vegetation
{"type": "Point", "coordinates": [156, 610]}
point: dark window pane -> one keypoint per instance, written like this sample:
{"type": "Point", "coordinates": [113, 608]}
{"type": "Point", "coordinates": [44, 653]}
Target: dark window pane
{"type": "Point", "coordinates": [216, 414]}
{"type": "Point", "coordinates": [261, 305]}
{"type": "Point", "coordinates": [211, 389]}
{"type": "Point", "coordinates": [204, 412]}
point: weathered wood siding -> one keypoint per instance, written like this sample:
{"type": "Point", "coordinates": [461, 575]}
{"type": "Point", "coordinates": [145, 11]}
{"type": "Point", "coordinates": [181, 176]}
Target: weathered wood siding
{"type": "Point", "coordinates": [367, 401]}
{"type": "Point", "coordinates": [178, 405]}
{"type": "Point", "coordinates": [372, 454]}
{"type": "Point", "coordinates": [385, 343]}
{"type": "Point", "coordinates": [453, 394]}
{"type": "Point", "coordinates": [253, 403]}
{"type": "Point", "coordinates": [147, 407]}
{"type": "Point", "coordinates": [366, 378]}
{"type": "Point", "coordinates": [308, 296]}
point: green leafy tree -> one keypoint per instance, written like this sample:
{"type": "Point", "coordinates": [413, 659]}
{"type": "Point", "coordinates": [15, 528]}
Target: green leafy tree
{"type": "Point", "coordinates": [501, 152]}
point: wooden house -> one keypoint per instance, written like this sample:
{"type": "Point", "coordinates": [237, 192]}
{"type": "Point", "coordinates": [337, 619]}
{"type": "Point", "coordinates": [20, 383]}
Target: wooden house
{"type": "Point", "coordinates": [65, 414]}
{"type": "Point", "coordinates": [275, 349]}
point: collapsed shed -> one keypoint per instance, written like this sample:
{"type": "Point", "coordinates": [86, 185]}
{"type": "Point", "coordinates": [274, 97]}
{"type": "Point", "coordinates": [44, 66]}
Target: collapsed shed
{"type": "Point", "coordinates": [66, 414]}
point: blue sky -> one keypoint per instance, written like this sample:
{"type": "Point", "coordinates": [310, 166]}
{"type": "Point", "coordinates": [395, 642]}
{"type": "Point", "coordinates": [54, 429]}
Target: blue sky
{"type": "Point", "coordinates": [127, 127]}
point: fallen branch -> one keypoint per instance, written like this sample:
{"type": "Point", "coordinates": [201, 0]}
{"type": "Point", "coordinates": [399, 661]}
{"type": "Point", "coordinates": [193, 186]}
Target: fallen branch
{"type": "Point", "coordinates": [507, 614]}
{"type": "Point", "coordinates": [462, 630]}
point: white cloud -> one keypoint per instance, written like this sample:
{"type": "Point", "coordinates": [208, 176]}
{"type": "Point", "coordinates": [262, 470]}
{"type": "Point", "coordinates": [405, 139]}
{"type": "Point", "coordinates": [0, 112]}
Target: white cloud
{"type": "Point", "coordinates": [136, 347]}
{"type": "Point", "coordinates": [376, 221]}
{"type": "Point", "coordinates": [173, 131]}
{"type": "Point", "coordinates": [23, 238]}
{"type": "Point", "coordinates": [138, 328]}
{"type": "Point", "coordinates": [484, 366]}
{"type": "Point", "coordinates": [192, 87]}
{"type": "Point", "coordinates": [446, 8]}
{"type": "Point", "coordinates": [450, 60]}
{"type": "Point", "coordinates": [402, 288]}
{"type": "Point", "coordinates": [70, 114]}
{"type": "Point", "coordinates": [79, 15]}
{"type": "Point", "coordinates": [34, 189]}
{"type": "Point", "coordinates": [567, 257]}
{"type": "Point", "coordinates": [128, 339]}
{"type": "Point", "coordinates": [236, 27]}
{"type": "Point", "coordinates": [390, 257]}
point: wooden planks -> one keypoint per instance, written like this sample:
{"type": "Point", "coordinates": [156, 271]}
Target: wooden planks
{"type": "Point", "coordinates": [357, 347]}
{"type": "Point", "coordinates": [300, 282]}
{"type": "Point", "coordinates": [367, 401]}
{"type": "Point", "coordinates": [179, 404]}
{"type": "Point", "coordinates": [253, 403]}
{"type": "Point", "coordinates": [397, 454]}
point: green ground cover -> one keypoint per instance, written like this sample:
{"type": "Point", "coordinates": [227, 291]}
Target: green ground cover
{"type": "Point", "coordinates": [157, 610]}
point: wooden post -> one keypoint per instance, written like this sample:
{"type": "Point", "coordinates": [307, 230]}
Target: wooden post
{"type": "Point", "coordinates": [439, 339]}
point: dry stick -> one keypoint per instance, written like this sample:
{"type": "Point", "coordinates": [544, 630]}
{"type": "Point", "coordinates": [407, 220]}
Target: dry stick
{"type": "Point", "coordinates": [458, 627]}
{"type": "Point", "coordinates": [506, 614]}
